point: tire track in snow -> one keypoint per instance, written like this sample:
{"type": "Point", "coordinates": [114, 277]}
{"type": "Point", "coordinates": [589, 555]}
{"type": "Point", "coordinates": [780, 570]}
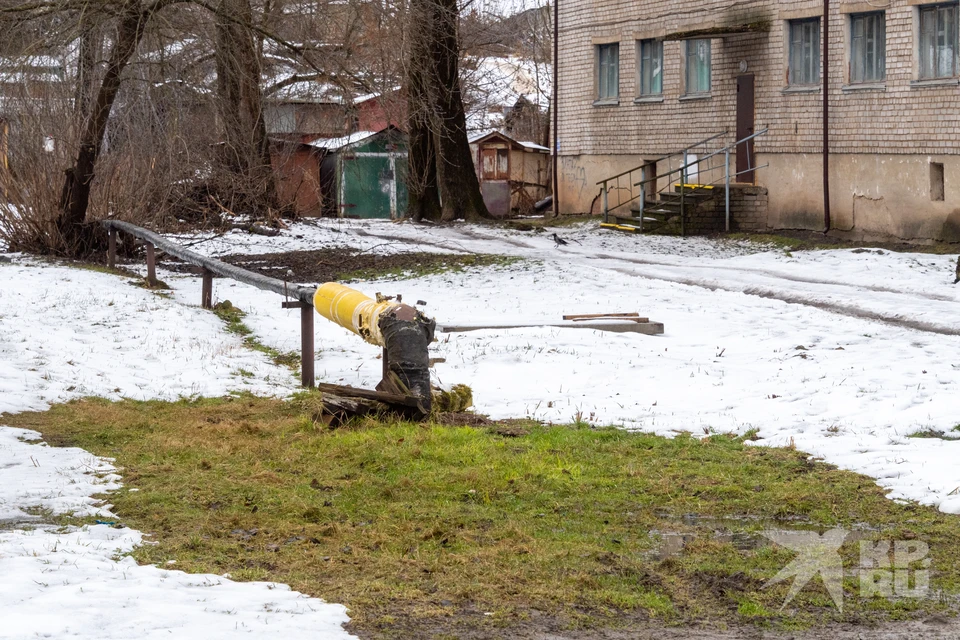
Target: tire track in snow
{"type": "Point", "coordinates": [792, 298]}
{"type": "Point", "coordinates": [585, 258]}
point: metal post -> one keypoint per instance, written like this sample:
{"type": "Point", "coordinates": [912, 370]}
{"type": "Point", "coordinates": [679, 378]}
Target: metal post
{"type": "Point", "coordinates": [555, 109]}
{"type": "Point", "coordinates": [151, 265]}
{"type": "Point", "coordinates": [206, 295]}
{"type": "Point", "coordinates": [683, 182]}
{"type": "Point", "coordinates": [826, 115]}
{"type": "Point", "coordinates": [112, 249]}
{"type": "Point", "coordinates": [643, 197]}
{"type": "Point", "coordinates": [605, 209]}
{"type": "Point", "coordinates": [307, 378]}
{"type": "Point", "coordinates": [726, 160]}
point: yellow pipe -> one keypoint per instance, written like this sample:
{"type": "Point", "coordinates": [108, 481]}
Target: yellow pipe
{"type": "Point", "coordinates": [352, 310]}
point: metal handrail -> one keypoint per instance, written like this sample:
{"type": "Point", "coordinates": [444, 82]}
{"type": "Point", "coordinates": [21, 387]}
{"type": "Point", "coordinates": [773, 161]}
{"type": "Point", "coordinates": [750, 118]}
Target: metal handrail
{"type": "Point", "coordinates": [605, 188]}
{"type": "Point", "coordinates": [682, 170]}
{"type": "Point", "coordinates": [661, 158]}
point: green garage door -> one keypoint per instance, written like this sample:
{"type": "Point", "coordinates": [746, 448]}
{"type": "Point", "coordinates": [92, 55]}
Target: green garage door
{"type": "Point", "coordinates": [367, 186]}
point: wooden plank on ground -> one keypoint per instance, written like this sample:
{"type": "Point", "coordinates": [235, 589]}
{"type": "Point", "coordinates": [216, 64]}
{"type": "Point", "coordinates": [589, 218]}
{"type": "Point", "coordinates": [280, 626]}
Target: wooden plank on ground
{"type": "Point", "coordinates": [367, 394]}
{"type": "Point", "coordinates": [581, 316]}
{"type": "Point", "coordinates": [628, 325]}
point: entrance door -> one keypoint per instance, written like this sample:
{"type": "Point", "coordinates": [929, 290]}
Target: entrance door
{"type": "Point", "coordinates": [745, 158]}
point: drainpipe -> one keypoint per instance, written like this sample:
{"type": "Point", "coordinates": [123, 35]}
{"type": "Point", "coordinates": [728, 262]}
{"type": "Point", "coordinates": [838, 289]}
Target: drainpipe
{"type": "Point", "coordinates": [555, 104]}
{"type": "Point", "coordinates": [826, 115]}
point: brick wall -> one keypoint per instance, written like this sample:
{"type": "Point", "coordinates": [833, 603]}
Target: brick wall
{"type": "Point", "coordinates": [901, 116]}
{"type": "Point", "coordinates": [748, 212]}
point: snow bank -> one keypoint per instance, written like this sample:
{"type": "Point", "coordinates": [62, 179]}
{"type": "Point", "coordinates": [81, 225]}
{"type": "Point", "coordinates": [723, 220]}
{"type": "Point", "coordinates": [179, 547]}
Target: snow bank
{"type": "Point", "coordinates": [66, 333]}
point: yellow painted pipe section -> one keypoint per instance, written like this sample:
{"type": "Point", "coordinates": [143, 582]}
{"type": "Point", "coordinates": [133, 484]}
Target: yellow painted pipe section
{"type": "Point", "coordinates": [352, 310]}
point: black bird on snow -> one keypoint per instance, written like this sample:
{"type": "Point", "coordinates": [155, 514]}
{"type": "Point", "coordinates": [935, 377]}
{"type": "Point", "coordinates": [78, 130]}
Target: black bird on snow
{"type": "Point", "coordinates": [560, 241]}
{"type": "Point", "coordinates": [957, 273]}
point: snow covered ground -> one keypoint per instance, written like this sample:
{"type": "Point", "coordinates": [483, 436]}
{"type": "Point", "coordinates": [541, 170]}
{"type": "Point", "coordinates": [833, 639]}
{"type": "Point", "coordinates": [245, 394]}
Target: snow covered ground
{"type": "Point", "coordinates": [845, 353]}
{"type": "Point", "coordinates": [67, 333]}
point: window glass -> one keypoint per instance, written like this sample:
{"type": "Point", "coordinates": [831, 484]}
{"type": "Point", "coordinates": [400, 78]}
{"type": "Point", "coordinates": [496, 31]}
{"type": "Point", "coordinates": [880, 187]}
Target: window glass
{"type": "Point", "coordinates": [804, 52]}
{"type": "Point", "coordinates": [608, 71]}
{"type": "Point", "coordinates": [651, 67]}
{"type": "Point", "coordinates": [698, 66]}
{"type": "Point", "coordinates": [868, 47]}
{"type": "Point", "coordinates": [938, 41]}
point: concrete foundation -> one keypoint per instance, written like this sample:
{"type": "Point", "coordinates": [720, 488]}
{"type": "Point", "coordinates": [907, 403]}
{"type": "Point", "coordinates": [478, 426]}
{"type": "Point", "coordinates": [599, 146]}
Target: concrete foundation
{"type": "Point", "coordinates": [873, 196]}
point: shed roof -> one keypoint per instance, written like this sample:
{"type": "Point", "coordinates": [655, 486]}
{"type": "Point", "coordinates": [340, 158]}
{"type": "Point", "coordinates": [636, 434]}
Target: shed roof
{"type": "Point", "coordinates": [479, 138]}
{"type": "Point", "coordinates": [353, 139]}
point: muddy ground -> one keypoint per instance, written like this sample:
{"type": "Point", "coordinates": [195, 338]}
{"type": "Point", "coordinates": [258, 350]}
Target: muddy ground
{"type": "Point", "coordinates": [342, 264]}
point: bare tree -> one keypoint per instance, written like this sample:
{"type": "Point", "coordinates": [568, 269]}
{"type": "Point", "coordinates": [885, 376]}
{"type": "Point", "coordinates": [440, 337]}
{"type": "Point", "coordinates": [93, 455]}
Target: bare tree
{"type": "Point", "coordinates": [441, 164]}
{"type": "Point", "coordinates": [246, 149]}
{"type": "Point", "coordinates": [79, 238]}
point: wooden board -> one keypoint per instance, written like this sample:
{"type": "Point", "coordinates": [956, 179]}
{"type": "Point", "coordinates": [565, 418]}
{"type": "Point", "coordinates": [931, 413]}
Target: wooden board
{"type": "Point", "coordinates": [613, 326]}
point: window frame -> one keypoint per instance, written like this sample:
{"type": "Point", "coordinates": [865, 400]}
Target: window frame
{"type": "Point", "coordinates": [652, 86]}
{"type": "Point", "coordinates": [604, 67]}
{"type": "Point", "coordinates": [939, 29]}
{"type": "Point", "coordinates": [793, 43]}
{"type": "Point", "coordinates": [687, 67]}
{"type": "Point", "coordinates": [857, 67]}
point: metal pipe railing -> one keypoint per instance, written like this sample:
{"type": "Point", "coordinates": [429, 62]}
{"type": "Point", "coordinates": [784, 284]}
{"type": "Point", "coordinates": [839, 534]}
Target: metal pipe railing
{"type": "Point", "coordinates": [402, 331]}
{"type": "Point", "coordinates": [604, 188]}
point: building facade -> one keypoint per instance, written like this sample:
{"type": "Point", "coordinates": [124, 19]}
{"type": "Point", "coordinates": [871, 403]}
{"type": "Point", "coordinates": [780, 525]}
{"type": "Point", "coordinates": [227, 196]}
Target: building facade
{"type": "Point", "coordinates": [643, 78]}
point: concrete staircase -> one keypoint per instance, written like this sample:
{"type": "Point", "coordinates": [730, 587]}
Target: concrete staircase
{"type": "Point", "coordinates": [666, 208]}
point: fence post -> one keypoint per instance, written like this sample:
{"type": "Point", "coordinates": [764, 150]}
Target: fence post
{"type": "Point", "coordinates": [306, 346]}
{"type": "Point", "coordinates": [112, 248]}
{"type": "Point", "coordinates": [151, 264]}
{"type": "Point", "coordinates": [206, 294]}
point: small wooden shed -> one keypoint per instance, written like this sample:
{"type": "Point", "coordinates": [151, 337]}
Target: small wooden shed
{"type": "Point", "coordinates": [513, 174]}
{"type": "Point", "coordinates": [363, 175]}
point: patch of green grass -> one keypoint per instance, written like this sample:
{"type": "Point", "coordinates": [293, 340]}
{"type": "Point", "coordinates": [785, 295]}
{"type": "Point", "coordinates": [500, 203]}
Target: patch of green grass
{"type": "Point", "coordinates": [441, 263]}
{"type": "Point", "coordinates": [233, 318]}
{"type": "Point", "coordinates": [429, 526]}
{"type": "Point", "coordinates": [811, 241]}
{"type": "Point", "coordinates": [926, 433]}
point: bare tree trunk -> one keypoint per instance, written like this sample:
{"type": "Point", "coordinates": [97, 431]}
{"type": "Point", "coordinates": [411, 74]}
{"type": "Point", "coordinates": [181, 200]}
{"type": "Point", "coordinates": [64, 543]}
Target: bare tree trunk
{"type": "Point", "coordinates": [459, 186]}
{"type": "Point", "coordinates": [76, 237]}
{"type": "Point", "coordinates": [246, 152]}
{"type": "Point", "coordinates": [443, 181]}
{"type": "Point", "coordinates": [423, 194]}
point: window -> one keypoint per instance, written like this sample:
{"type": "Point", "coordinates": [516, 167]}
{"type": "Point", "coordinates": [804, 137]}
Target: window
{"type": "Point", "coordinates": [651, 67]}
{"type": "Point", "coordinates": [698, 66]}
{"type": "Point", "coordinates": [868, 39]}
{"type": "Point", "coordinates": [804, 52]}
{"type": "Point", "coordinates": [495, 164]}
{"type": "Point", "coordinates": [938, 41]}
{"type": "Point", "coordinates": [608, 71]}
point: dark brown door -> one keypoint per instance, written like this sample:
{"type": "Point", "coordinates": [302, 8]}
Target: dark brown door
{"type": "Point", "coordinates": [745, 159]}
